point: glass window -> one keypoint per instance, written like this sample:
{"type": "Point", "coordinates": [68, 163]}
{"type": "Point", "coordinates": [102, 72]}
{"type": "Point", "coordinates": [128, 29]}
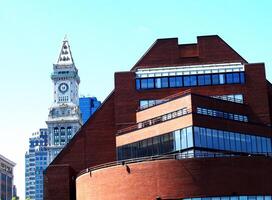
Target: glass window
{"type": "Point", "coordinates": [189, 137]}
{"type": "Point", "coordinates": [143, 83]}
{"type": "Point", "coordinates": [254, 144]}
{"type": "Point", "coordinates": [238, 142]}
{"type": "Point", "coordinates": [138, 85]}
{"type": "Point", "coordinates": [236, 77]}
{"type": "Point", "coordinates": [215, 139]}
{"type": "Point", "coordinates": [177, 140]}
{"type": "Point", "coordinates": [172, 81]}
{"type": "Point", "coordinates": [193, 81]}
{"type": "Point", "coordinates": [178, 81]}
{"type": "Point", "coordinates": [221, 140]}
{"type": "Point", "coordinates": [248, 143]}
{"type": "Point", "coordinates": [197, 136]}
{"type": "Point", "coordinates": [215, 79]}
{"type": "Point", "coordinates": [222, 78]}
{"type": "Point", "coordinates": [186, 81]}
{"type": "Point", "coordinates": [229, 78]}
{"type": "Point", "coordinates": [242, 77]}
{"type": "Point", "coordinates": [232, 141]}
{"type": "Point", "coordinates": [201, 80]}
{"type": "Point", "coordinates": [150, 83]}
{"type": "Point", "coordinates": [208, 79]}
{"type": "Point", "coordinates": [183, 139]}
{"type": "Point", "coordinates": [268, 144]}
{"type": "Point", "coordinates": [158, 82]}
{"type": "Point", "coordinates": [143, 103]}
{"type": "Point", "coordinates": [243, 143]}
{"type": "Point", "coordinates": [227, 140]}
{"type": "Point", "coordinates": [259, 144]}
{"type": "Point", "coordinates": [164, 82]}
{"type": "Point", "coordinates": [203, 139]}
{"type": "Point", "coordinates": [264, 147]}
{"type": "Point", "coordinates": [209, 138]}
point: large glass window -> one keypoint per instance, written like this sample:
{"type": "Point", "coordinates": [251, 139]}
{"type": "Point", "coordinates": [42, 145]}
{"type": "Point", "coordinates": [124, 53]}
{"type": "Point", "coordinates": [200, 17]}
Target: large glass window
{"type": "Point", "coordinates": [215, 79]}
{"type": "Point", "coordinates": [158, 82]}
{"type": "Point", "coordinates": [208, 79]}
{"type": "Point", "coordinates": [164, 82]}
{"type": "Point", "coordinates": [150, 83]}
{"type": "Point", "coordinates": [229, 78]}
{"type": "Point", "coordinates": [187, 81]}
{"type": "Point", "coordinates": [190, 80]}
{"type": "Point", "coordinates": [144, 83]}
{"type": "Point", "coordinates": [201, 80]}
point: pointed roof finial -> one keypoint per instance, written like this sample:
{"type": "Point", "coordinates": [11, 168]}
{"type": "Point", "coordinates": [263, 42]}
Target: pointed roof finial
{"type": "Point", "coordinates": [65, 38]}
{"type": "Point", "coordinates": [65, 56]}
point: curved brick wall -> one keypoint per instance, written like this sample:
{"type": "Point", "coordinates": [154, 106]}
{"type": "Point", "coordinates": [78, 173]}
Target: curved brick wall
{"type": "Point", "coordinates": [178, 179]}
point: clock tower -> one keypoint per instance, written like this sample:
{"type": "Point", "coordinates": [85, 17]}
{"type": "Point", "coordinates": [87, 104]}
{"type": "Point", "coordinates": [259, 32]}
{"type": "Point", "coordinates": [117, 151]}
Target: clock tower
{"type": "Point", "coordinates": [64, 117]}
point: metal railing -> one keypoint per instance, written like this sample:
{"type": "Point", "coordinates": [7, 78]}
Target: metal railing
{"type": "Point", "coordinates": [175, 156]}
{"type": "Point", "coordinates": [156, 120]}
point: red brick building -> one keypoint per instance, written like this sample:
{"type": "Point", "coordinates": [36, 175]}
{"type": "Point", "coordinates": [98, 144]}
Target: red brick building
{"type": "Point", "coordinates": [187, 121]}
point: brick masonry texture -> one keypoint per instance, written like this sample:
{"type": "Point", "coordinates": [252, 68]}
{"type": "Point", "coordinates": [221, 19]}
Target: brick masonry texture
{"type": "Point", "coordinates": [95, 142]}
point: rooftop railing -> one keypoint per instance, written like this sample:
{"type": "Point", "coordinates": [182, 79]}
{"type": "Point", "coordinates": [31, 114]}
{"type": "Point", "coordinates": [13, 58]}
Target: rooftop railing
{"type": "Point", "coordinates": [156, 120]}
{"type": "Point", "coordinates": [175, 156]}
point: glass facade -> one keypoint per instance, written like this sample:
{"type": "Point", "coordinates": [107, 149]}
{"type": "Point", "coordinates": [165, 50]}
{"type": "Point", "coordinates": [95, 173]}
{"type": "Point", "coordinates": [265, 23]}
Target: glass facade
{"type": "Point", "coordinates": [199, 138]}
{"type": "Point", "coordinates": [36, 161]}
{"type": "Point", "coordinates": [257, 197]}
{"type": "Point", "coordinates": [221, 114]}
{"type": "Point", "coordinates": [231, 141]}
{"type": "Point", "coordinates": [190, 80]}
{"type": "Point", "coordinates": [167, 143]}
{"type": "Point", "coordinates": [88, 106]}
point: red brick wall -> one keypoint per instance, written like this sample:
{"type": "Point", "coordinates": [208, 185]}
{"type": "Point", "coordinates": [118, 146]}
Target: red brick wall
{"type": "Point", "coordinates": [172, 179]}
{"type": "Point", "coordinates": [94, 144]}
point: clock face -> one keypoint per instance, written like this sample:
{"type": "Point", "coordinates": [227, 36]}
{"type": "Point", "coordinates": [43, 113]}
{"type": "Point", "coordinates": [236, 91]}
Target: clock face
{"type": "Point", "coordinates": [63, 87]}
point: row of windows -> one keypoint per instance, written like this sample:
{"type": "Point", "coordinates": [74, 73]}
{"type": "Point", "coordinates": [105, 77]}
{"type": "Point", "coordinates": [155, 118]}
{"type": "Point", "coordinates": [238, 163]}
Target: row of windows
{"type": "Point", "coordinates": [237, 98]}
{"type": "Point", "coordinates": [231, 141]}
{"type": "Point", "coordinates": [63, 99]}
{"type": "Point", "coordinates": [232, 198]}
{"type": "Point", "coordinates": [170, 142]}
{"type": "Point", "coordinates": [168, 116]}
{"type": "Point", "coordinates": [62, 129]}
{"type": "Point", "coordinates": [149, 103]}
{"type": "Point", "coordinates": [220, 114]}
{"type": "Point", "coordinates": [190, 80]}
{"type": "Point", "coordinates": [196, 137]}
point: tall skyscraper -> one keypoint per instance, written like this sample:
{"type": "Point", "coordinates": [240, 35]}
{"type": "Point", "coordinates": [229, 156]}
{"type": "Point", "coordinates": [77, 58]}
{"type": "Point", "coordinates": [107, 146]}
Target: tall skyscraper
{"type": "Point", "coordinates": [6, 178]}
{"type": "Point", "coordinates": [64, 117]}
{"type": "Point", "coordinates": [35, 163]}
{"type": "Point", "coordinates": [88, 106]}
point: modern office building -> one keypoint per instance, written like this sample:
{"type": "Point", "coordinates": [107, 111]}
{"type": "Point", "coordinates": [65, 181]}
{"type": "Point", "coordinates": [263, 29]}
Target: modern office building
{"type": "Point", "coordinates": [188, 121]}
{"type": "Point", "coordinates": [64, 117]}
{"type": "Point", "coordinates": [6, 178]}
{"type": "Point", "coordinates": [87, 106]}
{"type": "Point", "coordinates": [35, 163]}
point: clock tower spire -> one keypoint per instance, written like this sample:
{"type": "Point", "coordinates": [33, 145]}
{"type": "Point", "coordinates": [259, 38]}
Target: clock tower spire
{"type": "Point", "coordinates": [64, 117]}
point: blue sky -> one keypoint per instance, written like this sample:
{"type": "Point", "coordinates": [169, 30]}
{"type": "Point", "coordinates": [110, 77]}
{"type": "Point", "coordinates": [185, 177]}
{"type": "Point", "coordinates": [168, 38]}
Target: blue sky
{"type": "Point", "coordinates": [105, 36]}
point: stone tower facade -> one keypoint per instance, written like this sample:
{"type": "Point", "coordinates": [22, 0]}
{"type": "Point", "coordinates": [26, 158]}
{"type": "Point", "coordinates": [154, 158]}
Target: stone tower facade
{"type": "Point", "coordinates": [64, 117]}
